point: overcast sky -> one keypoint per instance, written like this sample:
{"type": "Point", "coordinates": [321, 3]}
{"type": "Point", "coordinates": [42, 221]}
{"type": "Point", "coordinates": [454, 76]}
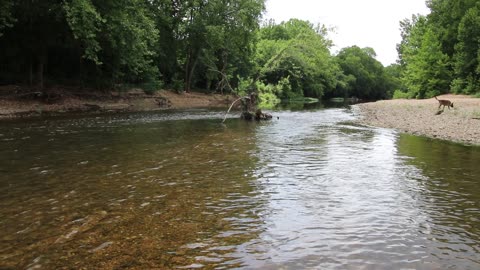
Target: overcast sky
{"type": "Point", "coordinates": [365, 23]}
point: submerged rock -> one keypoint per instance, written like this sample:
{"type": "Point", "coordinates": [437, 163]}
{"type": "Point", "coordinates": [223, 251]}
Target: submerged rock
{"type": "Point", "coordinates": [102, 246]}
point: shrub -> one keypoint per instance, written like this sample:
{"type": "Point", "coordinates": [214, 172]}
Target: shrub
{"type": "Point", "coordinates": [398, 94]}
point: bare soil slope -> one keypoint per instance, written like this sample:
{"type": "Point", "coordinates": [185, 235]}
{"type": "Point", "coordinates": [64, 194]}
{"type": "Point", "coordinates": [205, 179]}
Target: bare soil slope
{"type": "Point", "coordinates": [18, 102]}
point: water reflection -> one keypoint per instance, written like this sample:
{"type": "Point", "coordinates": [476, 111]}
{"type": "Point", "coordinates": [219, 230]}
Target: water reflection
{"type": "Point", "coordinates": [180, 190]}
{"type": "Point", "coordinates": [448, 193]}
{"type": "Point", "coordinates": [343, 196]}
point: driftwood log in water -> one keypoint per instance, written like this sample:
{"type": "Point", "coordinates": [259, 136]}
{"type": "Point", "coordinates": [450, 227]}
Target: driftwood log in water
{"type": "Point", "coordinates": [258, 115]}
{"type": "Point", "coordinates": [249, 109]}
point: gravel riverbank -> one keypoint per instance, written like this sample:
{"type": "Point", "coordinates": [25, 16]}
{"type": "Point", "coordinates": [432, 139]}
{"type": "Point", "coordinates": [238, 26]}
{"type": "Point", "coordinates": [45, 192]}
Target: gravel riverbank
{"type": "Point", "coordinates": [460, 124]}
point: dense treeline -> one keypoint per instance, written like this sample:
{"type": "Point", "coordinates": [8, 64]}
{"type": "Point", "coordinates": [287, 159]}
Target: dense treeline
{"type": "Point", "coordinates": [222, 45]}
{"type": "Point", "coordinates": [440, 52]}
{"type": "Point", "coordinates": [104, 43]}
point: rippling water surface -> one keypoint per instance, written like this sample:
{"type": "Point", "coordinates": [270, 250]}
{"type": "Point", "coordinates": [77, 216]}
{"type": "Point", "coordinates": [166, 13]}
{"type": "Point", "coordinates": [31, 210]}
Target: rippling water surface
{"type": "Point", "coordinates": [163, 190]}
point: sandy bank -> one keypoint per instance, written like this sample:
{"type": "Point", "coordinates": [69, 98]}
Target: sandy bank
{"type": "Point", "coordinates": [461, 124]}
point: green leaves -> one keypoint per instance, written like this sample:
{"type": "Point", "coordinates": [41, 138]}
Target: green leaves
{"type": "Point", "coordinates": [119, 35]}
{"type": "Point", "coordinates": [131, 35]}
{"type": "Point", "coordinates": [187, 44]}
{"type": "Point", "coordinates": [296, 50]}
{"type": "Point", "coordinates": [440, 52]}
{"type": "Point", "coordinates": [467, 53]}
{"type": "Point", "coordinates": [365, 76]}
{"type": "Point", "coordinates": [6, 18]}
{"type": "Point", "coordinates": [426, 72]}
{"type": "Point", "coordinates": [85, 23]}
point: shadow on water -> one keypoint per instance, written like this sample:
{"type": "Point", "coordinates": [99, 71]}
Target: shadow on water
{"type": "Point", "coordinates": [450, 182]}
{"type": "Point", "coordinates": [449, 162]}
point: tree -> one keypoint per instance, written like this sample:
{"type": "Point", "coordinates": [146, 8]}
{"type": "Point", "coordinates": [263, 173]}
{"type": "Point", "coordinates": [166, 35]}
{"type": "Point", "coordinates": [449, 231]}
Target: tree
{"type": "Point", "coordinates": [445, 17]}
{"type": "Point", "coordinates": [440, 51]}
{"type": "Point", "coordinates": [85, 22]}
{"type": "Point", "coordinates": [394, 76]}
{"type": "Point", "coordinates": [427, 71]}
{"type": "Point", "coordinates": [208, 41]}
{"type": "Point", "coordinates": [411, 31]}
{"type": "Point", "coordinates": [426, 68]}
{"type": "Point", "coordinates": [6, 18]}
{"type": "Point", "coordinates": [299, 51]}
{"type": "Point", "coordinates": [230, 40]}
{"type": "Point", "coordinates": [366, 76]}
{"type": "Point", "coordinates": [36, 30]}
{"type": "Point", "coordinates": [110, 41]}
{"type": "Point", "coordinates": [467, 53]}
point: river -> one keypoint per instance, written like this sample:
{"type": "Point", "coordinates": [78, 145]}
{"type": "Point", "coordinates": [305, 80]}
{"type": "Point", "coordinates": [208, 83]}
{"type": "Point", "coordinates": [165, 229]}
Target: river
{"type": "Point", "coordinates": [306, 190]}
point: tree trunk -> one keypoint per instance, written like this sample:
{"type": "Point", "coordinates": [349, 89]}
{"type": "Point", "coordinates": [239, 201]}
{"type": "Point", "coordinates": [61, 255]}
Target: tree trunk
{"type": "Point", "coordinates": [30, 72]}
{"type": "Point", "coordinates": [42, 59]}
{"type": "Point", "coordinates": [190, 65]}
{"type": "Point", "coordinates": [223, 72]}
{"type": "Point", "coordinates": [40, 75]}
{"type": "Point", "coordinates": [186, 85]}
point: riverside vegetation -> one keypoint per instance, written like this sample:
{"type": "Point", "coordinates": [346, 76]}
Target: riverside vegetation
{"type": "Point", "coordinates": [217, 46]}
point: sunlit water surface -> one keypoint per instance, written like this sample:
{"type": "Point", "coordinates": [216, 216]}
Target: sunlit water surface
{"type": "Point", "coordinates": [163, 190]}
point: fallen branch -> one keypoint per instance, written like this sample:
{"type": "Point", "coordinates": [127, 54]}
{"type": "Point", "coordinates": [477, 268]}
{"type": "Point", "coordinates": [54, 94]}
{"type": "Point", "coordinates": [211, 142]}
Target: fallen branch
{"type": "Point", "coordinates": [231, 106]}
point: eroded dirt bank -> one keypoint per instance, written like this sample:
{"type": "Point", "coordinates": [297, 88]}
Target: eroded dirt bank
{"type": "Point", "coordinates": [16, 102]}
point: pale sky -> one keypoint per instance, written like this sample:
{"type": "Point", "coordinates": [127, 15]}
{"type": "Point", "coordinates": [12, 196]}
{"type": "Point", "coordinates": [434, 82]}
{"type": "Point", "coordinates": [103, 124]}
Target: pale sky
{"type": "Point", "coordinates": [365, 23]}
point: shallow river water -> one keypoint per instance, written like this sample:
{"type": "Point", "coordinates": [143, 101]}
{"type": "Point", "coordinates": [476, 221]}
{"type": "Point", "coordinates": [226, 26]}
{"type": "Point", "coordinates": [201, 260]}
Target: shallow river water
{"type": "Point", "coordinates": [179, 190]}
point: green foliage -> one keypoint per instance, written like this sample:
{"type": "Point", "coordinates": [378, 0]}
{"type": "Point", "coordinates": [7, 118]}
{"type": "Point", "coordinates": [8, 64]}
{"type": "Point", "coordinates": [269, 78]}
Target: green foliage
{"type": "Point", "coordinates": [393, 74]}
{"type": "Point", "coordinates": [212, 41]}
{"type": "Point", "coordinates": [215, 44]}
{"type": "Point", "coordinates": [445, 17]}
{"type": "Point", "coordinates": [284, 90]}
{"type": "Point", "coordinates": [439, 53]}
{"type": "Point", "coordinates": [151, 86]}
{"type": "Point", "coordinates": [268, 95]}
{"type": "Point", "coordinates": [93, 42]}
{"type": "Point", "coordinates": [177, 85]}
{"type": "Point", "coordinates": [245, 86]}
{"type": "Point", "coordinates": [6, 18]}
{"type": "Point", "coordinates": [426, 73]}
{"type": "Point", "coordinates": [300, 52]}
{"type": "Point", "coordinates": [398, 94]}
{"type": "Point", "coordinates": [131, 35]}
{"type": "Point", "coordinates": [364, 76]}
{"type": "Point", "coordinates": [85, 23]}
{"type": "Point", "coordinates": [466, 57]}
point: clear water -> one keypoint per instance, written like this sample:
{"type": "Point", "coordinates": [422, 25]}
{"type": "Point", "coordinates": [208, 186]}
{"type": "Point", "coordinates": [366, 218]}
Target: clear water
{"type": "Point", "coordinates": [165, 190]}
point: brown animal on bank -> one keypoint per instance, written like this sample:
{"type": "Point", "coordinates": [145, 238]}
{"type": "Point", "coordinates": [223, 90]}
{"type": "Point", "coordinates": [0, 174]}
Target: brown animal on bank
{"type": "Point", "coordinates": [444, 102]}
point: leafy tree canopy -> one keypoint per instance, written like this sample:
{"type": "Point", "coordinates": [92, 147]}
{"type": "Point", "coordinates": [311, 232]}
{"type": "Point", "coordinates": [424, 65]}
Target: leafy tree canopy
{"type": "Point", "coordinates": [367, 78]}
{"type": "Point", "coordinates": [439, 53]}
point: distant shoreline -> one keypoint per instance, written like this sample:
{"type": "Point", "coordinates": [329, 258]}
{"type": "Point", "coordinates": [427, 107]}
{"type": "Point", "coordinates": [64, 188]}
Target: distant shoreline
{"type": "Point", "coordinates": [461, 124]}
